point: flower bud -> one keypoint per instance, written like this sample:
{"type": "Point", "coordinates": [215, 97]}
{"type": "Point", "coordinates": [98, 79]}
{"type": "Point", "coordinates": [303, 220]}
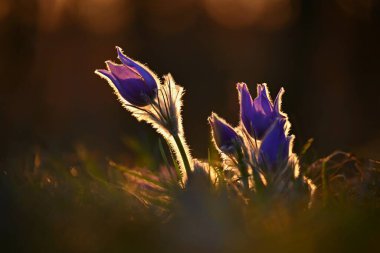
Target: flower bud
{"type": "Point", "coordinates": [225, 137]}
{"type": "Point", "coordinates": [133, 81]}
{"type": "Point", "coordinates": [259, 114]}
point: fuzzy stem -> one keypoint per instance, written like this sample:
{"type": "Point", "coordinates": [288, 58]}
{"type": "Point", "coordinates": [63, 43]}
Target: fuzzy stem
{"type": "Point", "coordinates": [183, 154]}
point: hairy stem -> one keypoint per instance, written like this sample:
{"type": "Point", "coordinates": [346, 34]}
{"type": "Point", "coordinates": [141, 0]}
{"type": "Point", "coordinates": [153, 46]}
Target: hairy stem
{"type": "Point", "coordinates": [183, 154]}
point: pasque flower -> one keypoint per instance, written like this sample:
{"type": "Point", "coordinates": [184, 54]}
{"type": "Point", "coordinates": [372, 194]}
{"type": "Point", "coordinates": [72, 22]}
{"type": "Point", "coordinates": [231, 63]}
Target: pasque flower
{"type": "Point", "coordinates": [141, 92]}
{"type": "Point", "coordinates": [225, 137]}
{"type": "Point", "coordinates": [258, 115]}
{"type": "Point", "coordinates": [132, 80]}
{"type": "Point", "coordinates": [257, 153]}
{"type": "Point", "coordinates": [276, 146]}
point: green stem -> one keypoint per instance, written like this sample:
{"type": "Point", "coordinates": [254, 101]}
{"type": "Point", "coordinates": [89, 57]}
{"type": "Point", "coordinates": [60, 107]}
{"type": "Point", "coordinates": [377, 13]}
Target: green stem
{"type": "Point", "coordinates": [183, 154]}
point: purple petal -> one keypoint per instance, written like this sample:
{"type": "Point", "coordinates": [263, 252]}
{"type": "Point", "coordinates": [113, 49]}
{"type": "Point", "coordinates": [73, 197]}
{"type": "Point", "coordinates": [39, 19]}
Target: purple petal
{"type": "Point", "coordinates": [107, 74]}
{"type": "Point", "coordinates": [276, 146]}
{"type": "Point", "coordinates": [257, 115]}
{"type": "Point", "coordinates": [224, 135]}
{"type": "Point", "coordinates": [136, 92]}
{"type": "Point", "coordinates": [122, 72]}
{"type": "Point", "coordinates": [130, 84]}
{"type": "Point", "coordinates": [113, 79]}
{"type": "Point", "coordinates": [141, 69]}
{"type": "Point", "coordinates": [246, 107]}
{"type": "Point", "coordinates": [278, 103]}
{"type": "Point", "coordinates": [262, 102]}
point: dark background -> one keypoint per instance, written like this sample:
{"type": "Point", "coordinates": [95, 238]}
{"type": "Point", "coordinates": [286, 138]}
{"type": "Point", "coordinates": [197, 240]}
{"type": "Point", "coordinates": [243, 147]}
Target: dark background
{"type": "Point", "coordinates": [325, 53]}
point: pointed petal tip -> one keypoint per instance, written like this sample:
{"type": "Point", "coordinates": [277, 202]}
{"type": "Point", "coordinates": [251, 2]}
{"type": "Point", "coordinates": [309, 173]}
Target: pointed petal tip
{"type": "Point", "coordinates": [259, 89]}
{"type": "Point", "coordinates": [264, 95]}
{"type": "Point", "coordinates": [123, 58]}
{"type": "Point", "coordinates": [107, 75]}
{"type": "Point", "coordinates": [212, 117]}
{"type": "Point", "coordinates": [215, 119]}
{"type": "Point", "coordinates": [280, 94]}
{"type": "Point", "coordinates": [210, 120]}
{"type": "Point", "coordinates": [264, 88]}
{"type": "Point", "coordinates": [241, 85]}
{"type": "Point", "coordinates": [278, 103]}
{"type": "Point", "coordinates": [102, 72]}
{"type": "Point", "coordinates": [109, 62]}
{"type": "Point", "coordinates": [119, 51]}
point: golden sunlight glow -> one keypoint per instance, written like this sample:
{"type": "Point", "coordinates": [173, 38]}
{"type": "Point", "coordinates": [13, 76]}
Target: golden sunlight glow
{"type": "Point", "coordinates": [270, 14]}
{"type": "Point", "coordinates": [51, 13]}
{"type": "Point", "coordinates": [5, 8]}
{"type": "Point", "coordinates": [97, 16]}
{"type": "Point", "coordinates": [104, 16]}
{"type": "Point", "coordinates": [171, 16]}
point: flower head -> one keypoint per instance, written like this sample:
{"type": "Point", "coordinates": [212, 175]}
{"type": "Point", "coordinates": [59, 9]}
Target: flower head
{"type": "Point", "coordinates": [259, 114]}
{"type": "Point", "coordinates": [225, 137]}
{"type": "Point", "coordinates": [276, 146]}
{"type": "Point", "coordinates": [134, 82]}
{"type": "Point", "coordinates": [141, 92]}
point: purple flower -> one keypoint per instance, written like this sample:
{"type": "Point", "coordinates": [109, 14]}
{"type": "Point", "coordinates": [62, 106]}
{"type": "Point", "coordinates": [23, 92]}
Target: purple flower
{"type": "Point", "coordinates": [259, 114]}
{"type": "Point", "coordinates": [276, 146]}
{"type": "Point", "coordinates": [132, 80]}
{"type": "Point", "coordinates": [224, 135]}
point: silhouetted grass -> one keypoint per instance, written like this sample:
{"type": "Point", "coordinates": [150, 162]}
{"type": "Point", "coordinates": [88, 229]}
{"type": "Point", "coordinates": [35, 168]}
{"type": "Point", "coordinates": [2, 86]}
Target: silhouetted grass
{"type": "Point", "coordinates": [82, 203]}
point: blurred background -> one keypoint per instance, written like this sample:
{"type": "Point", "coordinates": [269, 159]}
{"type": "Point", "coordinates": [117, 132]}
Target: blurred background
{"type": "Point", "coordinates": [325, 53]}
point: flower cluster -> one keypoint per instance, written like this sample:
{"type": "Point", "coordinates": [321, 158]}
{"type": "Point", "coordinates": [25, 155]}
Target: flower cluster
{"type": "Point", "coordinates": [260, 147]}
{"type": "Point", "coordinates": [267, 124]}
{"type": "Point", "coordinates": [258, 151]}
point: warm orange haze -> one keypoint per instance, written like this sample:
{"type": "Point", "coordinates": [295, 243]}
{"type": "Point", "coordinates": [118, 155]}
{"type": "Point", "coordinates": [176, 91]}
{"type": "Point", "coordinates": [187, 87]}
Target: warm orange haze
{"type": "Point", "coordinates": [324, 52]}
{"type": "Point", "coordinates": [189, 126]}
